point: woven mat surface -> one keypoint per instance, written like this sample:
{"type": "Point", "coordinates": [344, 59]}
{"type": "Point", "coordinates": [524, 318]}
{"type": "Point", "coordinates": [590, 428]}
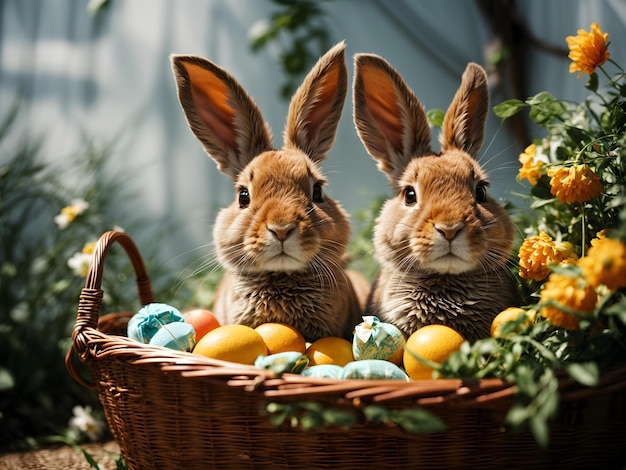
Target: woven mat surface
{"type": "Point", "coordinates": [58, 458]}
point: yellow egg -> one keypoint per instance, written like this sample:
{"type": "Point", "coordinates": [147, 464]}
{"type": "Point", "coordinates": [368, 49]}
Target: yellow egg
{"type": "Point", "coordinates": [330, 350]}
{"type": "Point", "coordinates": [280, 337]}
{"type": "Point", "coordinates": [510, 314]}
{"type": "Point", "coordinates": [432, 342]}
{"type": "Point", "coordinates": [234, 343]}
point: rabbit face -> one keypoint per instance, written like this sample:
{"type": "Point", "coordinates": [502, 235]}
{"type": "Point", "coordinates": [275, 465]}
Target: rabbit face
{"type": "Point", "coordinates": [444, 219]}
{"type": "Point", "coordinates": [280, 220]}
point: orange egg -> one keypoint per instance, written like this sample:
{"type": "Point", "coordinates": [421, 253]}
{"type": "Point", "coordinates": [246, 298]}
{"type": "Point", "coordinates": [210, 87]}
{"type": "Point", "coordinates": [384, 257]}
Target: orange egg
{"type": "Point", "coordinates": [234, 343]}
{"type": "Point", "coordinates": [202, 321]}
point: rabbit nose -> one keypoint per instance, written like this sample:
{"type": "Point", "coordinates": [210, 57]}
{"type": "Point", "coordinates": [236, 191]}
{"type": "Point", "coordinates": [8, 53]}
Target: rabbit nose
{"type": "Point", "coordinates": [281, 231]}
{"type": "Point", "coordinates": [449, 231]}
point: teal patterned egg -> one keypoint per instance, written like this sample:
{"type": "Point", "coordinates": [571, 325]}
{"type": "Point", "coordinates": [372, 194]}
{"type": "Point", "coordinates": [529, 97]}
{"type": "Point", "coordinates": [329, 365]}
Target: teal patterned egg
{"type": "Point", "coordinates": [283, 362]}
{"type": "Point", "coordinates": [323, 371]}
{"type": "Point", "coordinates": [144, 324]}
{"type": "Point", "coordinates": [175, 335]}
{"type": "Point", "coordinates": [374, 339]}
{"type": "Point", "coordinates": [373, 369]}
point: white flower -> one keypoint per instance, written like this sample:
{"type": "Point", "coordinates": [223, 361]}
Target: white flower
{"type": "Point", "coordinates": [69, 213]}
{"type": "Point", "coordinates": [79, 263]}
{"type": "Point", "coordinates": [85, 422]}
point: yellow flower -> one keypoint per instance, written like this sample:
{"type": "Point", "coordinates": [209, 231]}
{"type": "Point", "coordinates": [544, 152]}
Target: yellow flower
{"type": "Point", "coordinates": [605, 263]}
{"type": "Point", "coordinates": [89, 248]}
{"type": "Point", "coordinates": [577, 183]}
{"type": "Point", "coordinates": [531, 167]}
{"type": "Point", "coordinates": [537, 253]}
{"type": "Point", "coordinates": [571, 292]}
{"type": "Point", "coordinates": [588, 50]}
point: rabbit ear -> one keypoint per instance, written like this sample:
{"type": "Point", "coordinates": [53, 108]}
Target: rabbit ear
{"type": "Point", "coordinates": [316, 106]}
{"type": "Point", "coordinates": [389, 118]}
{"type": "Point", "coordinates": [220, 113]}
{"type": "Point", "coordinates": [464, 123]}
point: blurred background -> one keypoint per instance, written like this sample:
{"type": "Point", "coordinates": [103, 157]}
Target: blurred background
{"type": "Point", "coordinates": [89, 111]}
{"type": "Point", "coordinates": [101, 77]}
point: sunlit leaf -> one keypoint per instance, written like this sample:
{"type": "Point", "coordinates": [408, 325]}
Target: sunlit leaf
{"type": "Point", "coordinates": [586, 373]}
{"type": "Point", "coordinates": [509, 108]}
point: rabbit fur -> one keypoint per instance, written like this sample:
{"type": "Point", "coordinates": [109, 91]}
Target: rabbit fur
{"type": "Point", "coordinates": [282, 240]}
{"type": "Point", "coordinates": [442, 242]}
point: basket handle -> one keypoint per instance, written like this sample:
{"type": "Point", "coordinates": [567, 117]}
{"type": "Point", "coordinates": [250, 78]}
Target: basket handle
{"type": "Point", "coordinates": [90, 301]}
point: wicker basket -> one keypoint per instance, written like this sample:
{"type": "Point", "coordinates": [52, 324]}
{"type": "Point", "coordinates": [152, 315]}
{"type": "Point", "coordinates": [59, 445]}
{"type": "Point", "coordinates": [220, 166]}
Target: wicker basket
{"type": "Point", "coordinates": [176, 410]}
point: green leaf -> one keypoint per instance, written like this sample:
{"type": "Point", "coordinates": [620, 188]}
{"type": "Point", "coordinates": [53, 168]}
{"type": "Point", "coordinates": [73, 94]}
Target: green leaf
{"type": "Point", "coordinates": [435, 117]}
{"type": "Point", "coordinates": [592, 84]}
{"type": "Point", "coordinates": [508, 108]}
{"type": "Point", "coordinates": [375, 414]}
{"type": "Point", "coordinates": [539, 428]}
{"type": "Point", "coordinates": [517, 415]}
{"type": "Point", "coordinates": [586, 373]}
{"type": "Point", "coordinates": [418, 420]}
{"type": "Point", "coordinates": [6, 379]}
{"type": "Point", "coordinates": [540, 98]}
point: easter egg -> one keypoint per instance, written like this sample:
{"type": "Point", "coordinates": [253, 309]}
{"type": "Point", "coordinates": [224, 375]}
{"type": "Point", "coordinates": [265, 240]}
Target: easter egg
{"type": "Point", "coordinates": [523, 318]}
{"type": "Point", "coordinates": [202, 321]}
{"type": "Point", "coordinates": [374, 339]}
{"type": "Point", "coordinates": [373, 369]}
{"type": "Point", "coordinates": [234, 343]}
{"type": "Point", "coordinates": [280, 363]}
{"type": "Point", "coordinates": [280, 337]}
{"type": "Point", "coordinates": [176, 335]}
{"type": "Point", "coordinates": [323, 371]}
{"type": "Point", "coordinates": [144, 324]}
{"type": "Point", "coordinates": [330, 350]}
{"type": "Point", "coordinates": [435, 343]}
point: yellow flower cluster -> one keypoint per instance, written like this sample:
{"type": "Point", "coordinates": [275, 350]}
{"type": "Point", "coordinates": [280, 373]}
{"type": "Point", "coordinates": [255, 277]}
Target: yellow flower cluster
{"type": "Point", "coordinates": [539, 252]}
{"type": "Point", "coordinates": [570, 292]}
{"type": "Point", "coordinates": [577, 183]}
{"type": "Point", "coordinates": [604, 265]}
{"type": "Point", "coordinates": [531, 167]}
{"type": "Point", "coordinates": [588, 50]}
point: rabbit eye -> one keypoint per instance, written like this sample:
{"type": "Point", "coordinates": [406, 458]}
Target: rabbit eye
{"type": "Point", "coordinates": [244, 198]}
{"type": "Point", "coordinates": [317, 193]}
{"type": "Point", "coordinates": [410, 197]}
{"type": "Point", "coordinates": [481, 193]}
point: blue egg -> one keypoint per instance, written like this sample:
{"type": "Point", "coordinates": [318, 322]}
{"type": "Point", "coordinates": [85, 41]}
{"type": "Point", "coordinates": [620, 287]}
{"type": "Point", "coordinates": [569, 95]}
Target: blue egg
{"type": "Point", "coordinates": [144, 324]}
{"type": "Point", "coordinates": [177, 335]}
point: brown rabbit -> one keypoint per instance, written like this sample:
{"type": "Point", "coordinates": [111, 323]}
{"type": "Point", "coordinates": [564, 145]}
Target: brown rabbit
{"type": "Point", "coordinates": [443, 243]}
{"type": "Point", "coordinates": [282, 240]}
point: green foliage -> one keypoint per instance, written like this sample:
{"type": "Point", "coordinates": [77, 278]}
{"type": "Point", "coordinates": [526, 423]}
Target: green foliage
{"type": "Point", "coordinates": [361, 247]}
{"type": "Point", "coordinates": [39, 291]}
{"type": "Point", "coordinates": [535, 358]}
{"type": "Point", "coordinates": [313, 415]}
{"type": "Point", "coordinates": [589, 133]}
{"type": "Point", "coordinates": [297, 28]}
